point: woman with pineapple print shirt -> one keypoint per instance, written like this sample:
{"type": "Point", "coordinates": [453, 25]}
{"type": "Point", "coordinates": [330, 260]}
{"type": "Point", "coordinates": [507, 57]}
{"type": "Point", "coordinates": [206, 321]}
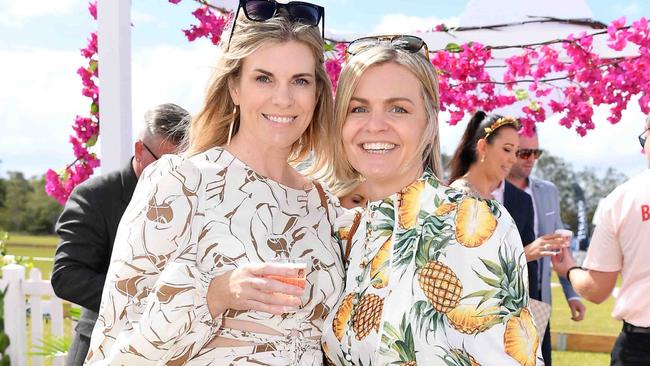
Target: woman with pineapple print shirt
{"type": "Point", "coordinates": [435, 277]}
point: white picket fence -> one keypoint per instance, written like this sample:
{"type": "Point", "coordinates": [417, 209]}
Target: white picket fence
{"type": "Point", "coordinates": [36, 296]}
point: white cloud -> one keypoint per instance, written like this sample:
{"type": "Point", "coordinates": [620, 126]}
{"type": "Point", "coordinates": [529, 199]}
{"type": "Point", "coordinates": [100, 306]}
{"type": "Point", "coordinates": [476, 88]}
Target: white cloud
{"type": "Point", "coordinates": [631, 10]}
{"type": "Point", "coordinates": [38, 110]}
{"type": "Point", "coordinates": [166, 73]}
{"type": "Point", "coordinates": [13, 13]}
{"type": "Point", "coordinates": [38, 107]}
{"type": "Point", "coordinates": [401, 23]}
{"type": "Point", "coordinates": [140, 17]}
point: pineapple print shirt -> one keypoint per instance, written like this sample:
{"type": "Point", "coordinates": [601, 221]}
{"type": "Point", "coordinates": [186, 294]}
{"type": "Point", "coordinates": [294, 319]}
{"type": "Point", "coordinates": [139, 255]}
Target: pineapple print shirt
{"type": "Point", "coordinates": [189, 221]}
{"type": "Point", "coordinates": [436, 277]}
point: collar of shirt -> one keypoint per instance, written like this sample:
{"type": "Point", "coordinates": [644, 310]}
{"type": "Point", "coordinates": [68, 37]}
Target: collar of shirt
{"type": "Point", "coordinates": [499, 192]}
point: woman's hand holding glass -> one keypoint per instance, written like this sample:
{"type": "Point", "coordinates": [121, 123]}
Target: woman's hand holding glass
{"type": "Point", "coordinates": [255, 286]}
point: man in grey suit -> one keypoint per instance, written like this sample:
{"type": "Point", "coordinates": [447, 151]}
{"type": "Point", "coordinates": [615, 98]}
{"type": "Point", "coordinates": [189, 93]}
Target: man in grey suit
{"type": "Point", "coordinates": [88, 223]}
{"type": "Point", "coordinates": [547, 219]}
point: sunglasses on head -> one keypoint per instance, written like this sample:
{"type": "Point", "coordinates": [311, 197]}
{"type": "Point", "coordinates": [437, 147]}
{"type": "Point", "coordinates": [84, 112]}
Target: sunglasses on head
{"type": "Point", "coordinates": [527, 153]}
{"type": "Point", "coordinates": [643, 136]}
{"type": "Point", "coordinates": [298, 11]}
{"type": "Point", "coordinates": [406, 43]}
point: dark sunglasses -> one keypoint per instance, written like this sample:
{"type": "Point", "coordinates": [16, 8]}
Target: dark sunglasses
{"type": "Point", "coordinates": [149, 150]}
{"type": "Point", "coordinates": [526, 153]}
{"type": "Point", "coordinates": [643, 136]}
{"type": "Point", "coordinates": [299, 11]}
{"type": "Point", "coordinates": [407, 43]}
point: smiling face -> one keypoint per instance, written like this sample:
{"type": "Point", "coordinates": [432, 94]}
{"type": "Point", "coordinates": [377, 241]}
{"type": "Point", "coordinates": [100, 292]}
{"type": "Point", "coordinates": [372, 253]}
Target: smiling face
{"type": "Point", "coordinates": [276, 95]}
{"type": "Point", "coordinates": [501, 154]}
{"type": "Point", "coordinates": [385, 122]}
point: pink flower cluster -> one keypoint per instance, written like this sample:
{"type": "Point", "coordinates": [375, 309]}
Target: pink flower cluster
{"type": "Point", "coordinates": [465, 84]}
{"type": "Point", "coordinates": [210, 26]}
{"type": "Point", "coordinates": [333, 64]}
{"type": "Point", "coordinates": [86, 129]}
{"type": "Point", "coordinates": [580, 78]}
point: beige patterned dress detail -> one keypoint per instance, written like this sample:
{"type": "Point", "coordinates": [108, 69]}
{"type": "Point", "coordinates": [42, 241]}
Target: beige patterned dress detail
{"type": "Point", "coordinates": [189, 221]}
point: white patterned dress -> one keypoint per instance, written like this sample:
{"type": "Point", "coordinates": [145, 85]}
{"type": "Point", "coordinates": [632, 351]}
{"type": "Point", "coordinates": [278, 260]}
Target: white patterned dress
{"type": "Point", "coordinates": [436, 277]}
{"type": "Point", "coordinates": [189, 221]}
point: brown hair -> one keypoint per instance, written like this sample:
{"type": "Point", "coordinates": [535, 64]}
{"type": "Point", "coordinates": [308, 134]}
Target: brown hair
{"type": "Point", "coordinates": [480, 126]}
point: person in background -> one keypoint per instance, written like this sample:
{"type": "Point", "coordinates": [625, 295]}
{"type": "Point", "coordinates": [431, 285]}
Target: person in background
{"type": "Point", "coordinates": [546, 207]}
{"type": "Point", "coordinates": [620, 245]}
{"type": "Point", "coordinates": [351, 194]}
{"type": "Point", "coordinates": [479, 166]}
{"type": "Point", "coordinates": [88, 223]}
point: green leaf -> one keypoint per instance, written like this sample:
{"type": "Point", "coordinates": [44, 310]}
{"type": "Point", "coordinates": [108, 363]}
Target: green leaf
{"type": "Point", "coordinates": [521, 94]}
{"type": "Point", "coordinates": [387, 211]}
{"type": "Point", "coordinates": [4, 342]}
{"type": "Point", "coordinates": [492, 267]}
{"type": "Point", "coordinates": [328, 47]}
{"type": "Point", "coordinates": [534, 106]}
{"type": "Point", "coordinates": [92, 66]}
{"type": "Point", "coordinates": [94, 108]}
{"type": "Point", "coordinates": [490, 281]}
{"type": "Point", "coordinates": [92, 141]}
{"type": "Point", "coordinates": [452, 47]}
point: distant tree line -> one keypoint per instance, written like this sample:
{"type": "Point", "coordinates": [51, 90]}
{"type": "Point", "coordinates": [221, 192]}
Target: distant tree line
{"type": "Point", "coordinates": [24, 205]}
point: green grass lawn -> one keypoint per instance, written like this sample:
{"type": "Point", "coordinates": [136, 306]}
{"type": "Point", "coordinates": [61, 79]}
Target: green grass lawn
{"type": "Point", "coordinates": [598, 319]}
{"type": "Point", "coordinates": [580, 359]}
{"type": "Point", "coordinates": [41, 248]}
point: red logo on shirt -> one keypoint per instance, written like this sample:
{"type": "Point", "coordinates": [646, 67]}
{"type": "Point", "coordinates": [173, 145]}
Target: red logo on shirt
{"type": "Point", "coordinates": [645, 212]}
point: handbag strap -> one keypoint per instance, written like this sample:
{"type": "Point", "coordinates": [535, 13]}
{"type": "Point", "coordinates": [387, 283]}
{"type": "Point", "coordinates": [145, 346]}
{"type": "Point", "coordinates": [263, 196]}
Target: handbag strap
{"type": "Point", "coordinates": [353, 229]}
{"type": "Point", "coordinates": [323, 199]}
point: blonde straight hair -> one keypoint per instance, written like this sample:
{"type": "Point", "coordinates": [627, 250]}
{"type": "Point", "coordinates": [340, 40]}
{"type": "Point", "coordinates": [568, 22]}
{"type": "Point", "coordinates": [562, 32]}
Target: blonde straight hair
{"type": "Point", "coordinates": [338, 169]}
{"type": "Point", "coordinates": [210, 126]}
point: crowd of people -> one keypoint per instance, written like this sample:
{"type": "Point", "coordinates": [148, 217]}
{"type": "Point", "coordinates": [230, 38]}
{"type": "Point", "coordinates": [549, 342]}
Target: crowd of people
{"type": "Point", "coordinates": [212, 248]}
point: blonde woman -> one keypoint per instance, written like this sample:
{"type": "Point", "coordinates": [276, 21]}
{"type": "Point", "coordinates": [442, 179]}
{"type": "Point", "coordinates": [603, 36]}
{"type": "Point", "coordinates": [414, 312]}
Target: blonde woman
{"type": "Point", "coordinates": [189, 277]}
{"type": "Point", "coordinates": [434, 276]}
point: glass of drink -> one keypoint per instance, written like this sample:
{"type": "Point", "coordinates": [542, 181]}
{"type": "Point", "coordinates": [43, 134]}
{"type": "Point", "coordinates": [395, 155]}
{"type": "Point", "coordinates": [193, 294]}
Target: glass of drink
{"type": "Point", "coordinates": [566, 235]}
{"type": "Point", "coordinates": [300, 280]}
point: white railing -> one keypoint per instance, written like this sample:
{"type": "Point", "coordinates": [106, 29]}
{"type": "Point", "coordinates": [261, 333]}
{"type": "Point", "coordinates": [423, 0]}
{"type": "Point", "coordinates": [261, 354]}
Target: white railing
{"type": "Point", "coordinates": [36, 296]}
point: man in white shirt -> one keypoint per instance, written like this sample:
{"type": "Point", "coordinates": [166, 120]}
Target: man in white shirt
{"type": "Point", "coordinates": [620, 244]}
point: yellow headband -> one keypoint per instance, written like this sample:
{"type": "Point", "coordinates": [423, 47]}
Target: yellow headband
{"type": "Point", "coordinates": [501, 122]}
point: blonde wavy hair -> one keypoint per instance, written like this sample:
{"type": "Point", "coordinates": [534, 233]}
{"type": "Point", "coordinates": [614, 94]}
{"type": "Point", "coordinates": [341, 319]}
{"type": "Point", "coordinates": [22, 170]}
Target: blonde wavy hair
{"type": "Point", "coordinates": [210, 126]}
{"type": "Point", "coordinates": [333, 166]}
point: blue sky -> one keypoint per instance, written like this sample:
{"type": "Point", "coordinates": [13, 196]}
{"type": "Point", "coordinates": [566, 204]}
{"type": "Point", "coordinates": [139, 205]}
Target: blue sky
{"type": "Point", "coordinates": [40, 39]}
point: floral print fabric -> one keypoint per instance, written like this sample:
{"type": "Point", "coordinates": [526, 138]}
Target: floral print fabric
{"type": "Point", "coordinates": [436, 277]}
{"type": "Point", "coordinates": [189, 221]}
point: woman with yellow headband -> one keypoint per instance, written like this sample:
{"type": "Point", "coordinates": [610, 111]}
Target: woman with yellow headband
{"type": "Point", "coordinates": [434, 276]}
